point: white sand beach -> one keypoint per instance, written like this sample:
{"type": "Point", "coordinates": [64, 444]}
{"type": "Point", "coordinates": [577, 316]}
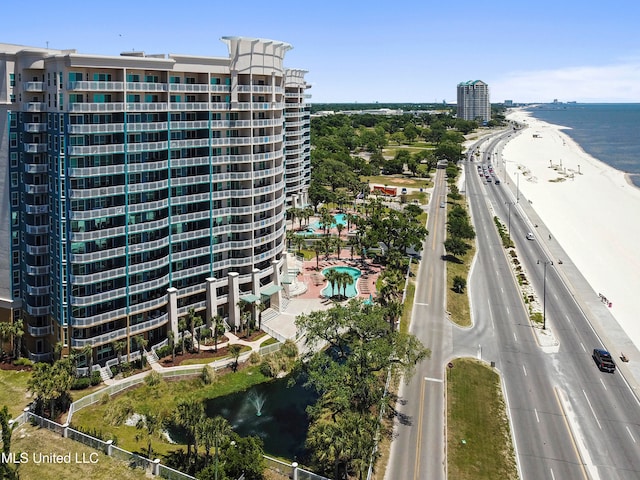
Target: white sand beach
{"type": "Point", "coordinates": [589, 207]}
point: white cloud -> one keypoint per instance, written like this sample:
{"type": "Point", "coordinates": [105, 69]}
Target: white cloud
{"type": "Point", "coordinates": [607, 83]}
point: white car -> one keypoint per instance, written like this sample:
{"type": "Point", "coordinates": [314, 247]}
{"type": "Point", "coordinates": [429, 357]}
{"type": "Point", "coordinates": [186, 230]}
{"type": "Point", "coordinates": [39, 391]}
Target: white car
{"type": "Point", "coordinates": [530, 236]}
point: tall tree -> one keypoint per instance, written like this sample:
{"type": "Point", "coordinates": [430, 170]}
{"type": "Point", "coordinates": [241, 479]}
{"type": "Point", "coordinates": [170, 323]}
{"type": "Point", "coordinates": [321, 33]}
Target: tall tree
{"type": "Point", "coordinates": [217, 328]}
{"type": "Point", "coordinates": [188, 414]}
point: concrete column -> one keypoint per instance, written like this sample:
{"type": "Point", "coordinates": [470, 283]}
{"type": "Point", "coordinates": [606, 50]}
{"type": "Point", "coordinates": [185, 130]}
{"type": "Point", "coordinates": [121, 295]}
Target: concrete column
{"type": "Point", "coordinates": [65, 430]}
{"type": "Point", "coordinates": [155, 468]}
{"type": "Point", "coordinates": [109, 447]}
{"type": "Point", "coordinates": [294, 200]}
{"type": "Point", "coordinates": [255, 289]}
{"type": "Point", "coordinates": [233, 298]}
{"type": "Point", "coordinates": [172, 307]}
{"type": "Point", "coordinates": [294, 465]}
{"type": "Point", "coordinates": [212, 300]}
{"type": "Point", "coordinates": [255, 282]}
{"type": "Point", "coordinates": [276, 298]}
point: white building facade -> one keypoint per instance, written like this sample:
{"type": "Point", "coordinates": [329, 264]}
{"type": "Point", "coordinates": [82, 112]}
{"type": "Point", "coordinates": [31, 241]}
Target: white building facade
{"type": "Point", "coordinates": [473, 101]}
{"type": "Point", "coordinates": [138, 187]}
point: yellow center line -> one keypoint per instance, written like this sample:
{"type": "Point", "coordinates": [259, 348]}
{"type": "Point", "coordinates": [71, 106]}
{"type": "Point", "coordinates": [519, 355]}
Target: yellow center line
{"type": "Point", "coordinates": [573, 440]}
{"type": "Point", "coordinates": [416, 467]}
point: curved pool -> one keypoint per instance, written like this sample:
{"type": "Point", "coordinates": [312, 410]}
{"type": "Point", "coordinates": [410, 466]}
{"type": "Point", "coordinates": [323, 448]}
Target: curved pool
{"type": "Point", "coordinates": [352, 291]}
{"type": "Point", "coordinates": [338, 218]}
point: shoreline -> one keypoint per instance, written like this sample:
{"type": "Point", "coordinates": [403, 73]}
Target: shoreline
{"type": "Point", "coordinates": [589, 206]}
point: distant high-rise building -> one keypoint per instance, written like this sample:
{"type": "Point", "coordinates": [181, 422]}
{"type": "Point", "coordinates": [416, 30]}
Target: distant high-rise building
{"type": "Point", "coordinates": [138, 187]}
{"type": "Point", "coordinates": [473, 101]}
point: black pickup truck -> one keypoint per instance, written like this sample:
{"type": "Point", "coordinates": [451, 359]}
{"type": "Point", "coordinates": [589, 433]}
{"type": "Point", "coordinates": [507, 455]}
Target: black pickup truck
{"type": "Point", "coordinates": [603, 360]}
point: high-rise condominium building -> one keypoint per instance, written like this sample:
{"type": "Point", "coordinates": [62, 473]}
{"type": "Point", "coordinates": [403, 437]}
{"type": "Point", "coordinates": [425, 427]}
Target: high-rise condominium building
{"type": "Point", "coordinates": [473, 101]}
{"type": "Point", "coordinates": [137, 187]}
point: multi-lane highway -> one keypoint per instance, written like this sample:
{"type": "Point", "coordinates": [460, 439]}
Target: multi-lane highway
{"type": "Point", "coordinates": [569, 420]}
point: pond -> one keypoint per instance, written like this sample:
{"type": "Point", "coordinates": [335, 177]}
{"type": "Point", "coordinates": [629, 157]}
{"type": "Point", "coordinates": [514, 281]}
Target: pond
{"type": "Point", "coordinates": [273, 411]}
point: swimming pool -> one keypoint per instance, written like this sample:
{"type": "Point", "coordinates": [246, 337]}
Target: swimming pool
{"type": "Point", "coordinates": [339, 218]}
{"type": "Point", "coordinates": [352, 291]}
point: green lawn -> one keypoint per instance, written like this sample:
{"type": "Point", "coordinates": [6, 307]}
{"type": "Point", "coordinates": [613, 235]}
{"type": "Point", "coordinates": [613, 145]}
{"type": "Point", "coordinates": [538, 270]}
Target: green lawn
{"type": "Point", "coordinates": [13, 390]}
{"type": "Point", "coordinates": [161, 398]}
{"type": "Point", "coordinates": [478, 440]}
{"type": "Point", "coordinates": [33, 440]}
{"type": "Point", "coordinates": [396, 181]}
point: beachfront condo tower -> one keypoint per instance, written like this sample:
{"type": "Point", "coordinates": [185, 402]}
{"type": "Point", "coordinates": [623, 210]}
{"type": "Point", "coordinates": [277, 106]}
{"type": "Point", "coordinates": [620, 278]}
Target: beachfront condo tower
{"type": "Point", "coordinates": [473, 101]}
{"type": "Point", "coordinates": [136, 188]}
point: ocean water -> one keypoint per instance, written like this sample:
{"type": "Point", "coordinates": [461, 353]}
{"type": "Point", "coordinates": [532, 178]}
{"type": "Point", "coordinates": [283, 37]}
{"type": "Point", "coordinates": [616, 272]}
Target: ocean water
{"type": "Point", "coordinates": [609, 132]}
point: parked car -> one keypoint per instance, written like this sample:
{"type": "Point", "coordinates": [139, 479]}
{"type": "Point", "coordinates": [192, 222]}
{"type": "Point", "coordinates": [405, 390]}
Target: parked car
{"type": "Point", "coordinates": [603, 360]}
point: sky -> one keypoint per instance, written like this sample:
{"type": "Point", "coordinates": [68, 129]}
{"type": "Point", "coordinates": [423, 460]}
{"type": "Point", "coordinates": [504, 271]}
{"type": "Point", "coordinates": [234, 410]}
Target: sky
{"type": "Point", "coordinates": [374, 51]}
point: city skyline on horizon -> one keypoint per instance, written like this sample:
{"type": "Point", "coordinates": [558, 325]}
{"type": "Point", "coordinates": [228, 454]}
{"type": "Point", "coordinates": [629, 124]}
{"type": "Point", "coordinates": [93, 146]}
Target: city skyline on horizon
{"type": "Point", "coordinates": [414, 53]}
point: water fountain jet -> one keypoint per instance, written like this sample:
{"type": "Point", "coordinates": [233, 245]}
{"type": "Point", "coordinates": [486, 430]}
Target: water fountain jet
{"type": "Point", "coordinates": [257, 400]}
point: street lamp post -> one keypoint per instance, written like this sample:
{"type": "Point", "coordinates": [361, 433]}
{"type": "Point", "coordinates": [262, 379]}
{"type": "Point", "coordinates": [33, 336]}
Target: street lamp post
{"type": "Point", "coordinates": [544, 292]}
{"type": "Point", "coordinates": [517, 187]}
{"type": "Point", "coordinates": [509, 219]}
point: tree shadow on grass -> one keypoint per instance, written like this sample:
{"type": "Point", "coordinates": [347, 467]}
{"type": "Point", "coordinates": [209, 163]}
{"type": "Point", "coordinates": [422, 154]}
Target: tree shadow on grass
{"type": "Point", "coordinates": [451, 258]}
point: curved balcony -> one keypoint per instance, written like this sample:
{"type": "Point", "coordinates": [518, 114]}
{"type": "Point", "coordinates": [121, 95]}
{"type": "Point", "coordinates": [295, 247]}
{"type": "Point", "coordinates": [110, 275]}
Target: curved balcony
{"type": "Point", "coordinates": [96, 171]}
{"type": "Point", "coordinates": [96, 128]}
{"type": "Point", "coordinates": [40, 331]}
{"type": "Point", "coordinates": [96, 107]}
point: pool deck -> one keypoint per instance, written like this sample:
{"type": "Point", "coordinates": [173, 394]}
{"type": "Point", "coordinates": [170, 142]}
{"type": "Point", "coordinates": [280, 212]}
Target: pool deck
{"type": "Point", "coordinates": [312, 300]}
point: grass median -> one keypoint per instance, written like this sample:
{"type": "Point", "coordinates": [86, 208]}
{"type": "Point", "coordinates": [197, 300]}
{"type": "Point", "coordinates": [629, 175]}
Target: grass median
{"type": "Point", "coordinates": [479, 443]}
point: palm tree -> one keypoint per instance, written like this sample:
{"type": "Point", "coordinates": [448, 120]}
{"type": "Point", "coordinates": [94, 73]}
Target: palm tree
{"type": "Point", "coordinates": [87, 352]}
{"type": "Point", "coordinates": [317, 248]}
{"type": "Point", "coordinates": [188, 414]}
{"type": "Point", "coordinates": [326, 219]}
{"type": "Point", "coordinates": [261, 308]}
{"type": "Point", "coordinates": [347, 280]}
{"type": "Point", "coordinates": [338, 243]}
{"type": "Point", "coordinates": [290, 236]}
{"type": "Point", "coordinates": [332, 276]}
{"type": "Point", "coordinates": [171, 341]}
{"type": "Point", "coordinates": [182, 327]}
{"type": "Point", "coordinates": [217, 328]}
{"type": "Point", "coordinates": [5, 333]}
{"type": "Point", "coordinates": [340, 227]}
{"type": "Point", "coordinates": [327, 245]}
{"type": "Point", "coordinates": [193, 321]}
{"type": "Point", "coordinates": [307, 213]}
{"type": "Point", "coordinates": [150, 422]}
{"type": "Point", "coordinates": [57, 351]}
{"type": "Point", "coordinates": [234, 350]}
{"type": "Point", "coordinates": [299, 242]}
{"type": "Point", "coordinates": [17, 331]}
{"type": "Point", "coordinates": [212, 432]}
{"type": "Point", "coordinates": [140, 342]}
{"type": "Point", "coordinates": [118, 347]}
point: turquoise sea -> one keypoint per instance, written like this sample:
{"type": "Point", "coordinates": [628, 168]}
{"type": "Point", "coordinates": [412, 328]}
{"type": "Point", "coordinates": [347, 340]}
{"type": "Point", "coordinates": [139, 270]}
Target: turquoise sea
{"type": "Point", "coordinates": [609, 132]}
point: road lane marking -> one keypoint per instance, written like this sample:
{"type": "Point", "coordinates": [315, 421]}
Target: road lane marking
{"type": "Point", "coordinates": [537, 417]}
{"type": "Point", "coordinates": [421, 304]}
{"type": "Point", "coordinates": [419, 438]}
{"type": "Point", "coordinates": [592, 410]}
{"type": "Point", "coordinates": [553, 477]}
{"type": "Point", "coordinates": [602, 382]}
{"type": "Point", "coordinates": [583, 347]}
{"type": "Point", "coordinates": [578, 452]}
{"type": "Point", "coordinates": [525, 370]}
{"type": "Point", "coordinates": [629, 432]}
{"type": "Point", "coordinates": [514, 336]}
